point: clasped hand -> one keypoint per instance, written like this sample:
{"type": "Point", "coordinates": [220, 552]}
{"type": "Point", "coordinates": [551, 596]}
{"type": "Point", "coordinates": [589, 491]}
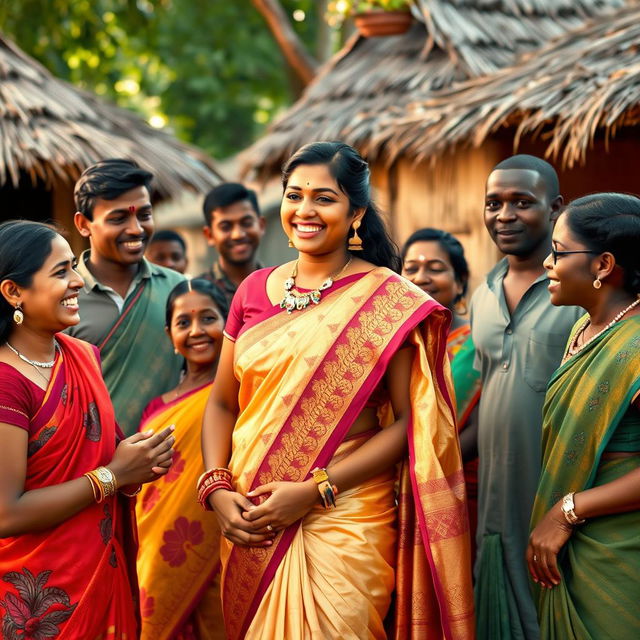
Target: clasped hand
{"type": "Point", "coordinates": [245, 524]}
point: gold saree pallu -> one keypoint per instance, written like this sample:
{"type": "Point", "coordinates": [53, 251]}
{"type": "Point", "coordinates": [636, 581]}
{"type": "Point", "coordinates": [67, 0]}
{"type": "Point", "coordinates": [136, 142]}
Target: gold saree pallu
{"type": "Point", "coordinates": [304, 379]}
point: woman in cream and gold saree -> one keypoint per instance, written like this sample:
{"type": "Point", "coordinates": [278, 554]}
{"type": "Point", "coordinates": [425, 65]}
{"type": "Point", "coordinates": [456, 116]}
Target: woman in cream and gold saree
{"type": "Point", "coordinates": [348, 374]}
{"type": "Point", "coordinates": [67, 547]}
{"type": "Point", "coordinates": [584, 549]}
{"type": "Point", "coordinates": [179, 556]}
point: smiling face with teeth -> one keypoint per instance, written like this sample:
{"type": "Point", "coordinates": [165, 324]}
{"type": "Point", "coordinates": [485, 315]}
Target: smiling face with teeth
{"type": "Point", "coordinates": [50, 303]}
{"type": "Point", "coordinates": [120, 229]}
{"type": "Point", "coordinates": [315, 213]}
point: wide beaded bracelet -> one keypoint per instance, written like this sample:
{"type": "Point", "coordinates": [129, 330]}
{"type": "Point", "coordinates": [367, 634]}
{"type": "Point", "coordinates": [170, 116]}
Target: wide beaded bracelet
{"type": "Point", "coordinates": [210, 481]}
{"type": "Point", "coordinates": [328, 492]}
{"type": "Point", "coordinates": [103, 483]}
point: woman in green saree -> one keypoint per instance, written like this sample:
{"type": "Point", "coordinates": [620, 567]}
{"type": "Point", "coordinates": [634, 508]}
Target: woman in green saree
{"type": "Point", "coordinates": [584, 549]}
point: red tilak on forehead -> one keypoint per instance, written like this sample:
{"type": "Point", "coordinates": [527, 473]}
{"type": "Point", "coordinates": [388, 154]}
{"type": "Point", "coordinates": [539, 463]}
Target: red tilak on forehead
{"type": "Point", "coordinates": [132, 209]}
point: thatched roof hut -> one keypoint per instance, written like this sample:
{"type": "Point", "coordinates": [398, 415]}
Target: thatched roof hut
{"type": "Point", "coordinates": [583, 86]}
{"type": "Point", "coordinates": [372, 82]}
{"type": "Point", "coordinates": [50, 131]}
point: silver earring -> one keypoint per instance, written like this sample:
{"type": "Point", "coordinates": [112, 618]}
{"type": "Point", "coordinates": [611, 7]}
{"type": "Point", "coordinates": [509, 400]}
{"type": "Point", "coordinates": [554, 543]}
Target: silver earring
{"type": "Point", "coordinates": [18, 316]}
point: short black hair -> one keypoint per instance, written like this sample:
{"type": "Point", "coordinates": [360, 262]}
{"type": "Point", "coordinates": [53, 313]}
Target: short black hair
{"type": "Point", "coordinates": [108, 179]}
{"type": "Point", "coordinates": [610, 222]}
{"type": "Point", "coordinates": [168, 235]}
{"type": "Point", "coordinates": [533, 163]}
{"type": "Point", "coordinates": [451, 245]}
{"type": "Point", "coordinates": [226, 194]}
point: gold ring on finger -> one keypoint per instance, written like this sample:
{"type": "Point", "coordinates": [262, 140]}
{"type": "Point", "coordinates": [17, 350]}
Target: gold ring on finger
{"type": "Point", "coordinates": [269, 527]}
{"type": "Point", "coordinates": [535, 558]}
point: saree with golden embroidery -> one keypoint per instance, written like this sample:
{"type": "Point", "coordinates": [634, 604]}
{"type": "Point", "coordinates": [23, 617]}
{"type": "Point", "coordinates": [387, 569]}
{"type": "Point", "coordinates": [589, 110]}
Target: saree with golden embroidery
{"type": "Point", "coordinates": [304, 379]}
{"type": "Point", "coordinates": [588, 411]}
{"type": "Point", "coordinates": [76, 579]}
{"type": "Point", "coordinates": [179, 557]}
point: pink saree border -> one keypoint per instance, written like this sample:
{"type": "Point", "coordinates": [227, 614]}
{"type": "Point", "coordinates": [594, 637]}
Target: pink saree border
{"type": "Point", "coordinates": [341, 429]}
{"type": "Point", "coordinates": [173, 403]}
{"type": "Point", "coordinates": [275, 309]}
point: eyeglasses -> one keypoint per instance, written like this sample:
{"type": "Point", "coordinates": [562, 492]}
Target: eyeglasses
{"type": "Point", "coordinates": [555, 253]}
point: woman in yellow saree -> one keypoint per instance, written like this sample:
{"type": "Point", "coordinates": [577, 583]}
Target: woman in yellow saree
{"type": "Point", "coordinates": [334, 373]}
{"type": "Point", "coordinates": [584, 549]}
{"type": "Point", "coordinates": [179, 557]}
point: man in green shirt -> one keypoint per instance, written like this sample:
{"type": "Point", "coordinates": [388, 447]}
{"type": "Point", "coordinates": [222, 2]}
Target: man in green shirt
{"type": "Point", "coordinates": [122, 304]}
{"type": "Point", "coordinates": [519, 338]}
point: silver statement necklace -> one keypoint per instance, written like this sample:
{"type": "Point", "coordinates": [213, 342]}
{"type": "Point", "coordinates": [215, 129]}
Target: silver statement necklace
{"type": "Point", "coordinates": [574, 348]}
{"type": "Point", "coordinates": [294, 299]}
{"type": "Point", "coordinates": [35, 363]}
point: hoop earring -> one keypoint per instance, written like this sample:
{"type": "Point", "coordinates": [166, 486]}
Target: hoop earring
{"type": "Point", "coordinates": [355, 241]}
{"type": "Point", "coordinates": [597, 283]}
{"type": "Point", "coordinates": [291, 245]}
{"type": "Point", "coordinates": [18, 316]}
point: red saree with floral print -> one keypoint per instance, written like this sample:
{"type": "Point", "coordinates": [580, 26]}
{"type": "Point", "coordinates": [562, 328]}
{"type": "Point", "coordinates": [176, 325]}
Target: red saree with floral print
{"type": "Point", "coordinates": [72, 581]}
{"type": "Point", "coordinates": [304, 379]}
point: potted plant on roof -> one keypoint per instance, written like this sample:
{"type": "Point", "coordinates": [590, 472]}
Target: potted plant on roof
{"type": "Point", "coordinates": [375, 17]}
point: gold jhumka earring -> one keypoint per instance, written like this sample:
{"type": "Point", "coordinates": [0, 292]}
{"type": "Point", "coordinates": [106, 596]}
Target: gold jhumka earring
{"type": "Point", "coordinates": [355, 241]}
{"type": "Point", "coordinates": [18, 316]}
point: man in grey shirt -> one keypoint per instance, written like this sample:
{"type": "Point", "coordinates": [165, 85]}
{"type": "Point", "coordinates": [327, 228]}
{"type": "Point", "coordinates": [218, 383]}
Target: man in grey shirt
{"type": "Point", "coordinates": [519, 338]}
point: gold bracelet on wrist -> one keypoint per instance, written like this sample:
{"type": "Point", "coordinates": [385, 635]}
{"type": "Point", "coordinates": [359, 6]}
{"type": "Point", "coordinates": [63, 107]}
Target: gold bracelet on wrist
{"type": "Point", "coordinates": [328, 491]}
{"type": "Point", "coordinates": [103, 483]}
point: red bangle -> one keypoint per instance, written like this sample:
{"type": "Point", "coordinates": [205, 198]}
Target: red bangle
{"type": "Point", "coordinates": [207, 490]}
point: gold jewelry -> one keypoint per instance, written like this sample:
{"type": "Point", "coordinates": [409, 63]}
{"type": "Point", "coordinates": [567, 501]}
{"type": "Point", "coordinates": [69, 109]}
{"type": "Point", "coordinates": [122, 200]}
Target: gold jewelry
{"type": "Point", "coordinates": [327, 491]}
{"type": "Point", "coordinates": [460, 307]}
{"type": "Point", "coordinates": [573, 348]}
{"type": "Point", "coordinates": [269, 527]}
{"type": "Point", "coordinates": [568, 509]}
{"type": "Point", "coordinates": [291, 245]}
{"type": "Point", "coordinates": [103, 483]}
{"type": "Point", "coordinates": [293, 299]}
{"type": "Point", "coordinates": [18, 316]}
{"type": "Point", "coordinates": [355, 241]}
{"type": "Point", "coordinates": [597, 283]}
{"type": "Point", "coordinates": [133, 494]}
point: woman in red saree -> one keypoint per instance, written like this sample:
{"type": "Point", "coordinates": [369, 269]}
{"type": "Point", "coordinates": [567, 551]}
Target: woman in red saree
{"type": "Point", "coordinates": [434, 260]}
{"type": "Point", "coordinates": [67, 544]}
{"type": "Point", "coordinates": [336, 366]}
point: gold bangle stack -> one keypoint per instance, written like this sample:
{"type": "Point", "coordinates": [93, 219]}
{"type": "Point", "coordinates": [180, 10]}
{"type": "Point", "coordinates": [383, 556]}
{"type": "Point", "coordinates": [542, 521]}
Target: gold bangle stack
{"type": "Point", "coordinates": [103, 483]}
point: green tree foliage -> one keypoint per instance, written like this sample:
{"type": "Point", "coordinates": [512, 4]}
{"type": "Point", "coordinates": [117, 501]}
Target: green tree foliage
{"type": "Point", "coordinates": [209, 71]}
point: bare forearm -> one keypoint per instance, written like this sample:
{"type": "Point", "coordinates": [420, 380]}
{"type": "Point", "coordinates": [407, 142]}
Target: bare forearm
{"type": "Point", "coordinates": [376, 455]}
{"type": "Point", "coordinates": [217, 428]}
{"type": "Point", "coordinates": [618, 496]}
{"type": "Point", "coordinates": [44, 508]}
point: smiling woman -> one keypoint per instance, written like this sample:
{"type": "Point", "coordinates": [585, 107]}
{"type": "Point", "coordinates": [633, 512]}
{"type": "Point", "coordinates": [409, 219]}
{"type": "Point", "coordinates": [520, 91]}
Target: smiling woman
{"type": "Point", "coordinates": [183, 580]}
{"type": "Point", "coordinates": [63, 521]}
{"type": "Point", "coordinates": [314, 405]}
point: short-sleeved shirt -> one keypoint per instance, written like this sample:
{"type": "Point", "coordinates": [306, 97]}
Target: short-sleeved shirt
{"type": "Point", "coordinates": [101, 306]}
{"type": "Point", "coordinates": [516, 354]}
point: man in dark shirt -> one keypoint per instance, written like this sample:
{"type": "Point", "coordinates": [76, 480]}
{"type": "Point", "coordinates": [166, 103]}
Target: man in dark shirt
{"type": "Point", "coordinates": [234, 228]}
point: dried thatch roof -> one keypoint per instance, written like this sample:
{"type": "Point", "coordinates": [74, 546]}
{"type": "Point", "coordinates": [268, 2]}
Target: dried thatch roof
{"type": "Point", "coordinates": [585, 82]}
{"type": "Point", "coordinates": [52, 131]}
{"type": "Point", "coordinates": [374, 79]}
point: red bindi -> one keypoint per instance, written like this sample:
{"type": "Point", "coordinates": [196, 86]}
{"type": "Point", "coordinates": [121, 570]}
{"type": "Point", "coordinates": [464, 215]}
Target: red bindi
{"type": "Point", "coordinates": [132, 209]}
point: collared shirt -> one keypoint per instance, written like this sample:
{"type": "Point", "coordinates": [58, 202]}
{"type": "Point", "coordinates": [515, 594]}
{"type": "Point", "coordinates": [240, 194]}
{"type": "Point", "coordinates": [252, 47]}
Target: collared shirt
{"type": "Point", "coordinates": [516, 354]}
{"type": "Point", "coordinates": [100, 305]}
{"type": "Point", "coordinates": [220, 279]}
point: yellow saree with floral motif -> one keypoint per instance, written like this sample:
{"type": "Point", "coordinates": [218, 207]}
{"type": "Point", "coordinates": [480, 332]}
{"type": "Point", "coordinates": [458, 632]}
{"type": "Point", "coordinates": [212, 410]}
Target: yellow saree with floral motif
{"type": "Point", "coordinates": [179, 554]}
{"type": "Point", "coordinates": [304, 379]}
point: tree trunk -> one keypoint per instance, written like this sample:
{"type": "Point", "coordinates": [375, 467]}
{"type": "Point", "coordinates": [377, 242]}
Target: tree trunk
{"type": "Point", "coordinates": [292, 48]}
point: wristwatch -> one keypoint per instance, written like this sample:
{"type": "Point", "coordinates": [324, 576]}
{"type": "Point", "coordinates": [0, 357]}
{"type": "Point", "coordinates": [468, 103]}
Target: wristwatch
{"type": "Point", "coordinates": [568, 508]}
